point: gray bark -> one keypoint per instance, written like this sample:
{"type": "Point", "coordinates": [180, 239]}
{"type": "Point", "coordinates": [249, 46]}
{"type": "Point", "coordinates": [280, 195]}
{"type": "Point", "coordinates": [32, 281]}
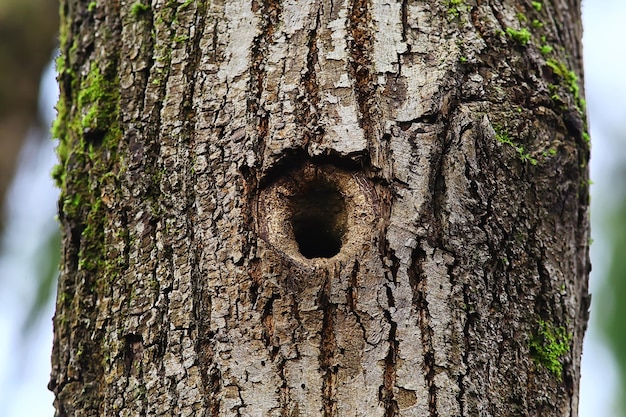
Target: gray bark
{"type": "Point", "coordinates": [358, 208]}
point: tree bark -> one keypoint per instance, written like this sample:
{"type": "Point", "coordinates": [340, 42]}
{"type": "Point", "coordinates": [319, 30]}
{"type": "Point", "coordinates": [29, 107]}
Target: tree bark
{"type": "Point", "coordinates": [358, 208]}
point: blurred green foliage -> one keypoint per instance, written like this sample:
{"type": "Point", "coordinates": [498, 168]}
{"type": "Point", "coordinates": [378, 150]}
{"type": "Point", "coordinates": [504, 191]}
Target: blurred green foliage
{"type": "Point", "coordinates": [612, 297]}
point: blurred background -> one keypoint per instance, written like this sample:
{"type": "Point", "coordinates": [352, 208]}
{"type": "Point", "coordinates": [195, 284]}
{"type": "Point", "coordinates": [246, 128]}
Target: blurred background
{"type": "Point", "coordinates": [29, 236]}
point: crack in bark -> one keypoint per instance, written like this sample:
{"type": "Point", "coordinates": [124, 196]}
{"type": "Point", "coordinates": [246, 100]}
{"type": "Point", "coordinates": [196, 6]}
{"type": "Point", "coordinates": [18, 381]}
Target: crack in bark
{"type": "Point", "coordinates": [351, 293]}
{"type": "Point", "coordinates": [132, 351]}
{"type": "Point", "coordinates": [267, 319]}
{"type": "Point", "coordinates": [469, 320]}
{"type": "Point", "coordinates": [429, 360]}
{"type": "Point", "coordinates": [158, 70]}
{"type": "Point", "coordinates": [284, 390]}
{"type": "Point", "coordinates": [270, 11]}
{"type": "Point", "coordinates": [328, 345]}
{"type": "Point", "coordinates": [405, 26]}
{"type": "Point", "coordinates": [417, 279]}
{"type": "Point", "coordinates": [352, 299]}
{"type": "Point", "coordinates": [360, 65]}
{"type": "Point", "coordinates": [385, 393]}
{"type": "Point", "coordinates": [388, 258]}
{"type": "Point", "coordinates": [200, 306]}
{"type": "Point", "coordinates": [195, 57]}
{"type": "Point", "coordinates": [214, 386]}
{"type": "Point", "coordinates": [243, 404]}
{"type": "Point", "coordinates": [148, 56]}
{"type": "Point", "coordinates": [308, 116]}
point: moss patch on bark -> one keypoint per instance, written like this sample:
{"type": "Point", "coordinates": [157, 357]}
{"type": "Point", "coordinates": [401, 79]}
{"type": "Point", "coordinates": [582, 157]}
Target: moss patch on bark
{"type": "Point", "coordinates": [549, 345]}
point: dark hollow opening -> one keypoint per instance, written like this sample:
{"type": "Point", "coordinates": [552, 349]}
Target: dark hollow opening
{"type": "Point", "coordinates": [319, 220]}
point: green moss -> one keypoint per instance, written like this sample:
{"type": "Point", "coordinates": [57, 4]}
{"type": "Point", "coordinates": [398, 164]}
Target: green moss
{"type": "Point", "coordinates": [570, 79]}
{"type": "Point", "coordinates": [455, 7]}
{"type": "Point", "coordinates": [525, 157]}
{"type": "Point", "coordinates": [554, 92]}
{"type": "Point", "coordinates": [586, 137]}
{"type": "Point", "coordinates": [88, 132]}
{"type": "Point", "coordinates": [98, 99]}
{"type": "Point", "coordinates": [503, 136]}
{"type": "Point", "coordinates": [549, 345]}
{"type": "Point", "coordinates": [536, 24]}
{"type": "Point", "coordinates": [560, 69]}
{"type": "Point", "coordinates": [537, 5]}
{"type": "Point", "coordinates": [546, 49]}
{"type": "Point", "coordinates": [72, 204]}
{"type": "Point", "coordinates": [185, 4]}
{"type": "Point", "coordinates": [521, 17]}
{"type": "Point", "coordinates": [59, 129]}
{"type": "Point", "coordinates": [97, 102]}
{"type": "Point", "coordinates": [521, 36]}
{"type": "Point", "coordinates": [88, 135]}
{"type": "Point", "coordinates": [549, 152]}
{"type": "Point", "coordinates": [58, 174]}
{"type": "Point", "coordinates": [138, 8]}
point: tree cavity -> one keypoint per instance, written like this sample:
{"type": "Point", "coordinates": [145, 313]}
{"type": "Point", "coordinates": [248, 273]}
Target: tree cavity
{"type": "Point", "coordinates": [318, 220]}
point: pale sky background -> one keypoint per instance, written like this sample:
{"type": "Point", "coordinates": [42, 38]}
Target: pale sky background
{"type": "Point", "coordinates": [25, 363]}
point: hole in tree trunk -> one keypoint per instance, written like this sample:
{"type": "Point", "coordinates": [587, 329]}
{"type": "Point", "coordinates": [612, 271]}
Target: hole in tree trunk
{"type": "Point", "coordinates": [316, 215]}
{"type": "Point", "coordinates": [318, 220]}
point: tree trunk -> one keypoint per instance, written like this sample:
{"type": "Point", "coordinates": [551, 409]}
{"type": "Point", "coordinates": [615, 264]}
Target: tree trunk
{"type": "Point", "coordinates": [358, 208]}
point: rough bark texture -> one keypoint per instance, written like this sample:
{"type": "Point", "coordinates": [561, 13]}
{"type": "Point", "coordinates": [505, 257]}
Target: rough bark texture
{"type": "Point", "coordinates": [311, 208]}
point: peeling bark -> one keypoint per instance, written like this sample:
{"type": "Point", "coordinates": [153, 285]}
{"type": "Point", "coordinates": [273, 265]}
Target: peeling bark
{"type": "Point", "coordinates": [356, 208]}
